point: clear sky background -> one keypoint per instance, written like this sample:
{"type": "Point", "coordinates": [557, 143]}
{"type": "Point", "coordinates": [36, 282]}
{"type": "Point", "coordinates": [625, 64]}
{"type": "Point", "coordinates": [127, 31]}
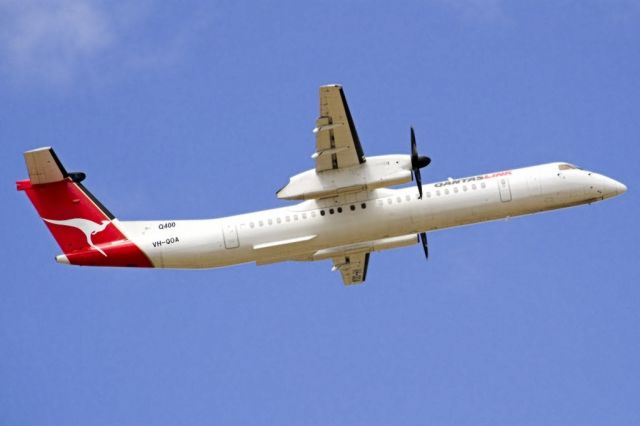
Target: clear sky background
{"type": "Point", "coordinates": [190, 110]}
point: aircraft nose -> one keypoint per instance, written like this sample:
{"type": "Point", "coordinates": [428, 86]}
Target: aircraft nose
{"type": "Point", "coordinates": [613, 187]}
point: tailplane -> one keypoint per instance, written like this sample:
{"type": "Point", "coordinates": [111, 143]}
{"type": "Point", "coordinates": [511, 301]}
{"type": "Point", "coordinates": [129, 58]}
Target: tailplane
{"type": "Point", "coordinates": [84, 229]}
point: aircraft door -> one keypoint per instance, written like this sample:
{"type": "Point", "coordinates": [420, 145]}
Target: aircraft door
{"type": "Point", "coordinates": [230, 234]}
{"type": "Point", "coordinates": [533, 183]}
{"type": "Point", "coordinates": [505, 189]}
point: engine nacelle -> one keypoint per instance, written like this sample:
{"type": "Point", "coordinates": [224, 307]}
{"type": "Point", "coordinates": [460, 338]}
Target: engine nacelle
{"type": "Point", "coordinates": [376, 172]}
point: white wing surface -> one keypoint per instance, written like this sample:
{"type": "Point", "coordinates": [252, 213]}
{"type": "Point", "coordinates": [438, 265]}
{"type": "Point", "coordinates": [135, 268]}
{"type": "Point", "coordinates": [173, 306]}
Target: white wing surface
{"type": "Point", "coordinates": [337, 143]}
{"type": "Point", "coordinates": [353, 267]}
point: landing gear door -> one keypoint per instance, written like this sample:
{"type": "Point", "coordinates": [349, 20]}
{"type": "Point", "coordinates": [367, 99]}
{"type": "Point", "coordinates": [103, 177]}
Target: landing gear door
{"type": "Point", "coordinates": [505, 189]}
{"type": "Point", "coordinates": [230, 236]}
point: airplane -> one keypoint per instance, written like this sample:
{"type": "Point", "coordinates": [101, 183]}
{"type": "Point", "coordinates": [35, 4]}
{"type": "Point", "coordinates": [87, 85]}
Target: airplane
{"type": "Point", "coordinates": [345, 208]}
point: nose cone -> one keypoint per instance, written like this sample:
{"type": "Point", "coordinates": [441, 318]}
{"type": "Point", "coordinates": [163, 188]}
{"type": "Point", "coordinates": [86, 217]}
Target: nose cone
{"type": "Point", "coordinates": [622, 188]}
{"type": "Point", "coordinates": [612, 187]}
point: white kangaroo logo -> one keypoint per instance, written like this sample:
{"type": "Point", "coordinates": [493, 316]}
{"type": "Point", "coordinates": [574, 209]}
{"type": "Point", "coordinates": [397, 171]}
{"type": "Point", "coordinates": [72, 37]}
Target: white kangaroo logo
{"type": "Point", "coordinates": [88, 228]}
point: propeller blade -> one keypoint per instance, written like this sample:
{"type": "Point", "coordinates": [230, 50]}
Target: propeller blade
{"type": "Point", "coordinates": [414, 147]}
{"type": "Point", "coordinates": [417, 162]}
{"type": "Point", "coordinates": [425, 245]}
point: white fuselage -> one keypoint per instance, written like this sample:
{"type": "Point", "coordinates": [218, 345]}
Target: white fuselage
{"type": "Point", "coordinates": [381, 218]}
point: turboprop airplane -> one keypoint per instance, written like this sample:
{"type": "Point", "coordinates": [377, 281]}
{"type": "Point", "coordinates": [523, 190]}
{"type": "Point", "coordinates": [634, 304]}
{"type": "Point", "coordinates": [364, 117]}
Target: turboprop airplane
{"type": "Point", "coordinates": [346, 210]}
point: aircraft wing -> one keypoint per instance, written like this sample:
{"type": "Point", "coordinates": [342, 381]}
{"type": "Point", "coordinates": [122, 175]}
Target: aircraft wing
{"type": "Point", "coordinates": [353, 267]}
{"type": "Point", "coordinates": [337, 143]}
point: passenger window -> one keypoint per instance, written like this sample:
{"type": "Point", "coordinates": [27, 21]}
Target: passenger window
{"type": "Point", "coordinates": [455, 189]}
{"type": "Point", "coordinates": [261, 223]}
{"type": "Point", "coordinates": [251, 225]}
{"type": "Point", "coordinates": [339, 209]}
{"type": "Point", "coordinates": [399, 199]}
{"type": "Point", "coordinates": [288, 218]}
{"type": "Point", "coordinates": [313, 213]}
{"type": "Point", "coordinates": [270, 222]}
{"type": "Point", "coordinates": [428, 195]}
{"type": "Point", "coordinates": [389, 201]}
{"type": "Point", "coordinates": [473, 186]}
{"type": "Point", "coordinates": [483, 185]}
{"type": "Point", "coordinates": [408, 197]}
{"type": "Point", "coordinates": [438, 192]}
{"type": "Point", "coordinates": [363, 205]}
{"type": "Point", "coordinates": [278, 220]}
{"type": "Point", "coordinates": [464, 188]}
{"type": "Point", "coordinates": [304, 215]}
{"type": "Point", "coordinates": [446, 191]}
{"type": "Point", "coordinates": [321, 212]}
{"type": "Point", "coordinates": [352, 207]}
{"type": "Point", "coordinates": [295, 217]}
{"type": "Point", "coordinates": [331, 211]}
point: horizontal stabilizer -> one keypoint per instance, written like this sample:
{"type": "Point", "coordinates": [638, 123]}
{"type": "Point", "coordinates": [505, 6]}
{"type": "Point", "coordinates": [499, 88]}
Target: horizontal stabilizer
{"type": "Point", "coordinates": [44, 167]}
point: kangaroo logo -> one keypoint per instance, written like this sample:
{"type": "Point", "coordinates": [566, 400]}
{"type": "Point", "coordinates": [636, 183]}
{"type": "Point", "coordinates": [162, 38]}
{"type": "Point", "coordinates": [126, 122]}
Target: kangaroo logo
{"type": "Point", "coordinates": [88, 228]}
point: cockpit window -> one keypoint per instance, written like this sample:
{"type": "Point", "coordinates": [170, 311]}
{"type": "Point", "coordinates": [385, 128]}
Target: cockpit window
{"type": "Point", "coordinates": [566, 166]}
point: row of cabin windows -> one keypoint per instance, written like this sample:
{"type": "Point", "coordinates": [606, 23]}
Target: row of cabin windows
{"type": "Point", "coordinates": [465, 188]}
{"type": "Point", "coordinates": [296, 217]}
{"type": "Point", "coordinates": [363, 206]}
{"type": "Point", "coordinates": [436, 193]}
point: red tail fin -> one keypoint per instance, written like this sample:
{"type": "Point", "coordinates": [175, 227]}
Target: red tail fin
{"type": "Point", "coordinates": [82, 226]}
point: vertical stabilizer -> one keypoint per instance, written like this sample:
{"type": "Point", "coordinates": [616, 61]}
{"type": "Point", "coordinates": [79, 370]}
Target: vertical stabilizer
{"type": "Point", "coordinates": [83, 228]}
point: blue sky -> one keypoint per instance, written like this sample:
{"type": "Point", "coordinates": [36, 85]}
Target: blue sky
{"type": "Point", "coordinates": [191, 110]}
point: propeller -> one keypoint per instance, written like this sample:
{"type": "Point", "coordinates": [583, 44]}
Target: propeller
{"type": "Point", "coordinates": [425, 245]}
{"type": "Point", "coordinates": [417, 162]}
